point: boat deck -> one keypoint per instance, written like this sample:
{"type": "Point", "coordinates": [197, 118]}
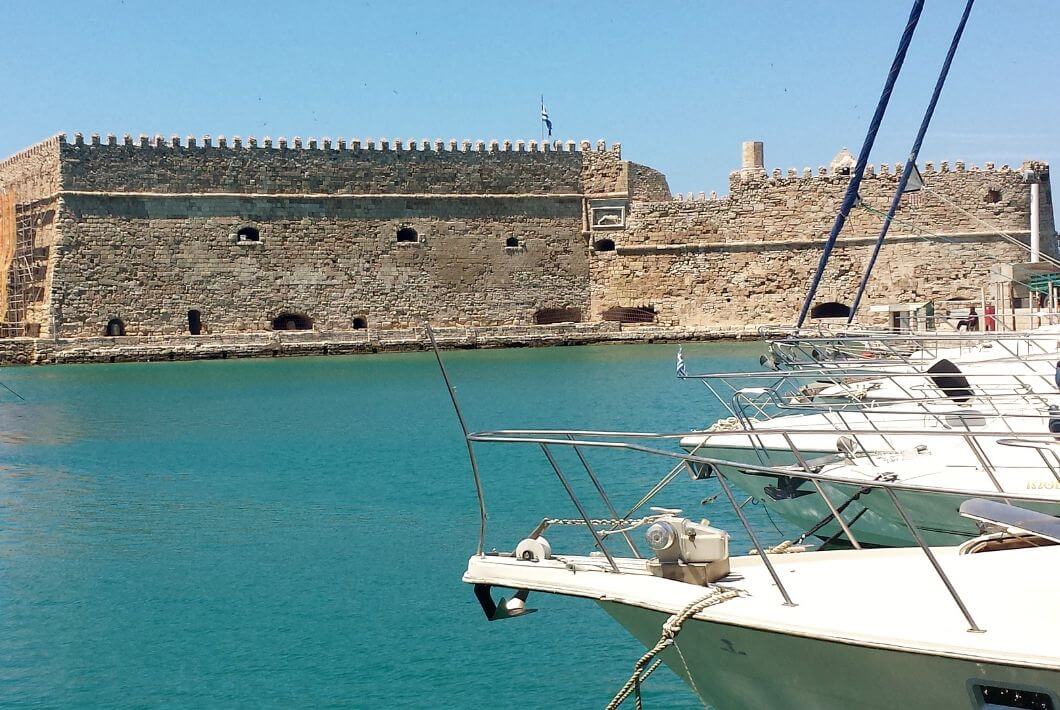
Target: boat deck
{"type": "Point", "coordinates": [888, 598]}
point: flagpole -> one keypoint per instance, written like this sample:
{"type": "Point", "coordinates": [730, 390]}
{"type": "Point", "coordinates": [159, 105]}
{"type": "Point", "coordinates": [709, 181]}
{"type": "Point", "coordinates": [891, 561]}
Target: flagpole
{"type": "Point", "coordinates": [541, 118]}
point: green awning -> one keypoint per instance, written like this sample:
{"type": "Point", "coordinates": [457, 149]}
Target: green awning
{"type": "Point", "coordinates": [1042, 282]}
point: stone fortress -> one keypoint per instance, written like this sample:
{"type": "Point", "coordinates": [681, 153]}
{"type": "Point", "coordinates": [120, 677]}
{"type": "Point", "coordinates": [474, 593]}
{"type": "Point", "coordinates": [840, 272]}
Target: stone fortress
{"type": "Point", "coordinates": [152, 248]}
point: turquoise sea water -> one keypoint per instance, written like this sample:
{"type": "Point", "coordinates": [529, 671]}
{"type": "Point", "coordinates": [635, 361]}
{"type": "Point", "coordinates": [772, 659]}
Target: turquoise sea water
{"type": "Point", "coordinates": [292, 532]}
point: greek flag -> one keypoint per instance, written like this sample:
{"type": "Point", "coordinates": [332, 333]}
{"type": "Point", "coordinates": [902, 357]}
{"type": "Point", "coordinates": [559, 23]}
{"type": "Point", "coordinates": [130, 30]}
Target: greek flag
{"type": "Point", "coordinates": [682, 371]}
{"type": "Point", "coordinates": [544, 117]}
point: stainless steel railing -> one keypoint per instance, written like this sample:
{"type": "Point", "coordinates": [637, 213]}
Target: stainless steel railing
{"type": "Point", "coordinates": [614, 440]}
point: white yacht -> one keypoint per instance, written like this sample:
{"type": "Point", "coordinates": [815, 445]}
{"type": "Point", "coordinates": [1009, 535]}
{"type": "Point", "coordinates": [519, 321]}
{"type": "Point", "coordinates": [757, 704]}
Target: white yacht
{"type": "Point", "coordinates": [1008, 378]}
{"type": "Point", "coordinates": [886, 628]}
{"type": "Point", "coordinates": [951, 438]}
{"type": "Point", "coordinates": [936, 480]}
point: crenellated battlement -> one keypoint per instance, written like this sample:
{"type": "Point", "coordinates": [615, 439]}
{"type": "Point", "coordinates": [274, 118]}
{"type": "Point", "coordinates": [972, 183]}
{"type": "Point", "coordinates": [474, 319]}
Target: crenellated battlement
{"type": "Point", "coordinates": [252, 165]}
{"type": "Point", "coordinates": [743, 179]}
{"type": "Point", "coordinates": [777, 207]}
{"type": "Point", "coordinates": [396, 145]}
{"type": "Point", "coordinates": [48, 145]}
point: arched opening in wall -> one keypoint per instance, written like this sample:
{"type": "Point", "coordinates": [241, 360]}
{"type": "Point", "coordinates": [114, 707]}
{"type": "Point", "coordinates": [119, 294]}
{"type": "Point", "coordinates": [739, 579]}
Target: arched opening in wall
{"type": "Point", "coordinates": [512, 242]}
{"type": "Point", "coordinates": [248, 234]}
{"type": "Point", "coordinates": [992, 196]}
{"type": "Point", "coordinates": [604, 245]}
{"type": "Point", "coordinates": [360, 323]}
{"type": "Point", "coordinates": [831, 309]}
{"type": "Point", "coordinates": [194, 322]}
{"type": "Point", "coordinates": [292, 321]}
{"type": "Point", "coordinates": [407, 234]}
{"type": "Point", "coordinates": [622, 314]}
{"type": "Point", "coordinates": [547, 316]}
{"type": "Point", "coordinates": [115, 326]}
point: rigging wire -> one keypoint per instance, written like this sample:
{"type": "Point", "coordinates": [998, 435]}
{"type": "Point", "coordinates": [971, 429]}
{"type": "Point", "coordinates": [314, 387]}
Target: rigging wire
{"type": "Point", "coordinates": [1000, 233]}
{"type": "Point", "coordinates": [12, 391]}
{"type": "Point", "coordinates": [928, 234]}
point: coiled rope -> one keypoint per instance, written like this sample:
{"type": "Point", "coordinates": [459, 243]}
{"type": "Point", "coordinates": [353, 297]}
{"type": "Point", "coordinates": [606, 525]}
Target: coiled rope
{"type": "Point", "coordinates": [726, 424]}
{"type": "Point", "coordinates": [670, 629]}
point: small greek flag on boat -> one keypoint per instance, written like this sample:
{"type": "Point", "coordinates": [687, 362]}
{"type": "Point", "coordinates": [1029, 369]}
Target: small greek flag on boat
{"type": "Point", "coordinates": [682, 371]}
{"type": "Point", "coordinates": [544, 117]}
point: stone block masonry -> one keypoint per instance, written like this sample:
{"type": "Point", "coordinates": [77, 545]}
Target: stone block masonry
{"type": "Point", "coordinates": [331, 260]}
{"type": "Point", "coordinates": [148, 248]}
{"type": "Point", "coordinates": [748, 256]}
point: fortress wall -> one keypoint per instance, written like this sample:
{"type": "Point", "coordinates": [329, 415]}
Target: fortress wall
{"type": "Point", "coordinates": [777, 208]}
{"type": "Point", "coordinates": [149, 260]}
{"type": "Point", "coordinates": [29, 181]}
{"type": "Point", "coordinates": [648, 184]}
{"type": "Point", "coordinates": [604, 171]}
{"type": "Point", "coordinates": [336, 167]}
{"type": "Point", "coordinates": [749, 257]}
{"type": "Point", "coordinates": [725, 286]}
{"type": "Point", "coordinates": [32, 174]}
{"type": "Point", "coordinates": [146, 230]}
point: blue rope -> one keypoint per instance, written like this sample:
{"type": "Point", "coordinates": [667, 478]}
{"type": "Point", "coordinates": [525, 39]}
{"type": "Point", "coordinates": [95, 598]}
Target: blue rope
{"type": "Point", "coordinates": [910, 163]}
{"type": "Point", "coordinates": [863, 157]}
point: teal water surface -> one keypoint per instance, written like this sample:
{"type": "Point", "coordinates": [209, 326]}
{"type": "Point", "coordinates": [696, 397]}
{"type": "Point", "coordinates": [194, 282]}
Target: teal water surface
{"type": "Point", "coordinates": [292, 532]}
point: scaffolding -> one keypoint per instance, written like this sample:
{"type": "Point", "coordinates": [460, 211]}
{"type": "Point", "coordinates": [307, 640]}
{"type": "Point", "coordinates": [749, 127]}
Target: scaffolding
{"type": "Point", "coordinates": [23, 263]}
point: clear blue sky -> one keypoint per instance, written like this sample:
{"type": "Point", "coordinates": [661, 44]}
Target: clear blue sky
{"type": "Point", "coordinates": [680, 84]}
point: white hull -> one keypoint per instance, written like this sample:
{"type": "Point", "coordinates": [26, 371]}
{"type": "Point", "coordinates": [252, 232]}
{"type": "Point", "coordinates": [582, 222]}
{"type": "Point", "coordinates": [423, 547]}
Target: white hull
{"type": "Point", "coordinates": [944, 462]}
{"type": "Point", "coordinates": [732, 667]}
{"type": "Point", "coordinates": [867, 629]}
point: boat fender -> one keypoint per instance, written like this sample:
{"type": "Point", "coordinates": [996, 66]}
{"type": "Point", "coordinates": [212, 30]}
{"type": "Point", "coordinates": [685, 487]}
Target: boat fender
{"type": "Point", "coordinates": [1054, 419]}
{"type": "Point", "coordinates": [533, 549]}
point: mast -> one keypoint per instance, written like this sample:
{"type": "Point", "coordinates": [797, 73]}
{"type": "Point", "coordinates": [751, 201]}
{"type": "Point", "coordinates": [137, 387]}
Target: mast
{"type": "Point", "coordinates": [863, 157]}
{"type": "Point", "coordinates": [910, 163]}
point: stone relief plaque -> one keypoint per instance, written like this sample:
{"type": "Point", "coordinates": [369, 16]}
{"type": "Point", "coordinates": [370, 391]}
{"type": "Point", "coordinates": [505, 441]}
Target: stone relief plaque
{"type": "Point", "coordinates": [607, 215]}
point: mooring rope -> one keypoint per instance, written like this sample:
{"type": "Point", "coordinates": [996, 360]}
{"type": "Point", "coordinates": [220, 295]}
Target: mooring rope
{"type": "Point", "coordinates": [786, 547]}
{"type": "Point", "coordinates": [629, 523]}
{"type": "Point", "coordinates": [670, 629]}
